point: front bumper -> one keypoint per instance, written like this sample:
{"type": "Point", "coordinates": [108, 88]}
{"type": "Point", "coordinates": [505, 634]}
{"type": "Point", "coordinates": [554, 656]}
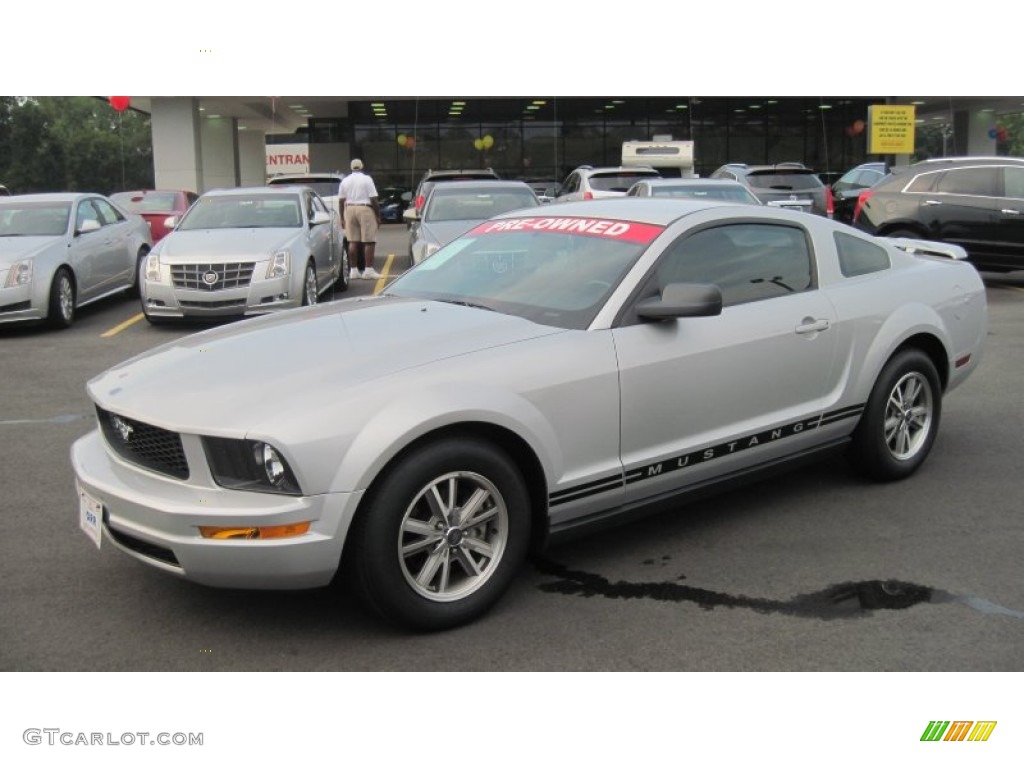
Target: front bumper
{"type": "Point", "coordinates": [258, 297]}
{"type": "Point", "coordinates": [155, 519]}
{"type": "Point", "coordinates": [20, 302]}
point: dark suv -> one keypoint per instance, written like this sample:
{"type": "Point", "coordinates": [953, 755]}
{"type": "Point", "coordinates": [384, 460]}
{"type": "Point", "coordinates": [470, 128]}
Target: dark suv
{"type": "Point", "coordinates": [430, 178]}
{"type": "Point", "coordinates": [973, 202]}
{"type": "Point", "coordinates": [785, 185]}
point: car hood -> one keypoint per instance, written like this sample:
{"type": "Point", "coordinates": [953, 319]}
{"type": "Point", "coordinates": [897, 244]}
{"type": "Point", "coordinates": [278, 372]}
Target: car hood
{"type": "Point", "coordinates": [212, 245]}
{"type": "Point", "coordinates": [234, 377]}
{"type": "Point", "coordinates": [443, 232]}
{"type": "Point", "coordinates": [14, 249]}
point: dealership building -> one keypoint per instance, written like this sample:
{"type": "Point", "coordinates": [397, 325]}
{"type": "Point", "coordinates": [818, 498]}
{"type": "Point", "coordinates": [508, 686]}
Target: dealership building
{"type": "Point", "coordinates": [204, 142]}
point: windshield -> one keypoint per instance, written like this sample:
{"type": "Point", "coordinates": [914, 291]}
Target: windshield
{"type": "Point", "coordinates": [34, 219]}
{"type": "Point", "coordinates": [619, 182]}
{"type": "Point", "coordinates": [243, 211]}
{"type": "Point", "coordinates": [457, 205]}
{"type": "Point", "coordinates": [554, 271]}
{"type": "Point", "coordinates": [323, 186]}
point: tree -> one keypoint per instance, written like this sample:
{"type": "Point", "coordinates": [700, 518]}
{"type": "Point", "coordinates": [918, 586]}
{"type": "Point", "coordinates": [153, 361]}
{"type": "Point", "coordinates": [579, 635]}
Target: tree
{"type": "Point", "coordinates": [73, 143]}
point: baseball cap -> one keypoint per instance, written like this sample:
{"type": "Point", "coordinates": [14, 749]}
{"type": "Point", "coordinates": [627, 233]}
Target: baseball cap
{"type": "Point", "coordinates": [357, 164]}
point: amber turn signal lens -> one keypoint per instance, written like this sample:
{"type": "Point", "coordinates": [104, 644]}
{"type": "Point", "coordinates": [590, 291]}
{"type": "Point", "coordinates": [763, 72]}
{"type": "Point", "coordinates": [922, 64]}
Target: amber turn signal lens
{"type": "Point", "coordinates": [253, 532]}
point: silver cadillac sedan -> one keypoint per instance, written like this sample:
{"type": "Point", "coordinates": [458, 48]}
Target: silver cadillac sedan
{"type": "Point", "coordinates": [245, 251]}
{"type": "Point", "coordinates": [61, 251]}
{"type": "Point", "coordinates": [550, 370]}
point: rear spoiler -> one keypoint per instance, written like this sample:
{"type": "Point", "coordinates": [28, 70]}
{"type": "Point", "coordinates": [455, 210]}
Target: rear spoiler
{"type": "Point", "coordinates": [928, 247]}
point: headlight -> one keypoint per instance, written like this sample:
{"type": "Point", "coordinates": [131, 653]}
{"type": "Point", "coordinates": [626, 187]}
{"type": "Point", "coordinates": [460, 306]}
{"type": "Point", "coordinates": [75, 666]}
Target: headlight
{"type": "Point", "coordinates": [280, 265]}
{"type": "Point", "coordinates": [249, 465]}
{"type": "Point", "coordinates": [153, 268]}
{"type": "Point", "coordinates": [20, 274]}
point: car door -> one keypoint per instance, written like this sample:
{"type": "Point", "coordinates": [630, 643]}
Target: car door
{"type": "Point", "coordinates": [705, 396]}
{"type": "Point", "coordinates": [321, 240]}
{"type": "Point", "coordinates": [88, 252]}
{"type": "Point", "coordinates": [1011, 218]}
{"type": "Point", "coordinates": [119, 258]}
{"type": "Point", "coordinates": [963, 208]}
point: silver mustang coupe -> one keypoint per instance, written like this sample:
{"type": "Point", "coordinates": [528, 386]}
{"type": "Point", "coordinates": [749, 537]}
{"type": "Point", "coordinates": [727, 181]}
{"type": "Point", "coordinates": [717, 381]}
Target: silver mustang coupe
{"type": "Point", "coordinates": [244, 251]}
{"type": "Point", "coordinates": [547, 371]}
{"type": "Point", "coordinates": [61, 251]}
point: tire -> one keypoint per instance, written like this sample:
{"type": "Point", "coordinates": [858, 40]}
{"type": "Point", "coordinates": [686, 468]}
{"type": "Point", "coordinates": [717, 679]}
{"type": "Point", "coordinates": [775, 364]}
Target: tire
{"type": "Point", "coordinates": [61, 313]}
{"type": "Point", "coordinates": [344, 277]}
{"type": "Point", "coordinates": [414, 562]}
{"type": "Point", "coordinates": [901, 419]}
{"type": "Point", "coordinates": [909, 233]}
{"type": "Point", "coordinates": [135, 289]}
{"type": "Point", "coordinates": [310, 294]}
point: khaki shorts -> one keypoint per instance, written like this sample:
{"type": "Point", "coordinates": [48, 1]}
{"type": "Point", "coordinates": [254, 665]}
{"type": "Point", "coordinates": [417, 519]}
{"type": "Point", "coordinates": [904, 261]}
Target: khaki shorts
{"type": "Point", "coordinates": [360, 224]}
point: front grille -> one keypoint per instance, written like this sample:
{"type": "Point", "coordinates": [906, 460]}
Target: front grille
{"type": "Point", "coordinates": [162, 554]}
{"type": "Point", "coordinates": [143, 444]}
{"type": "Point", "coordinates": [212, 277]}
{"type": "Point", "coordinates": [212, 304]}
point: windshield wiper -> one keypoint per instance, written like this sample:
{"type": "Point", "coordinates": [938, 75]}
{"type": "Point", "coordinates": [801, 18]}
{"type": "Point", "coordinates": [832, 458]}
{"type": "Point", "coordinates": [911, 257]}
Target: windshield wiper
{"type": "Point", "coordinates": [463, 303]}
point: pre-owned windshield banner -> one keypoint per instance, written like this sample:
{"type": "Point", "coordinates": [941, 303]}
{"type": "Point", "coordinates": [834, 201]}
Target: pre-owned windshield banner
{"type": "Point", "coordinates": [627, 231]}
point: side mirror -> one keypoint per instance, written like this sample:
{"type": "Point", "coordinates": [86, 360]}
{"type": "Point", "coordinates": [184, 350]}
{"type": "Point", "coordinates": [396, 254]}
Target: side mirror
{"type": "Point", "coordinates": [320, 217]}
{"type": "Point", "coordinates": [89, 225]}
{"type": "Point", "coordinates": [409, 214]}
{"type": "Point", "coordinates": [171, 222]}
{"type": "Point", "coordinates": [682, 300]}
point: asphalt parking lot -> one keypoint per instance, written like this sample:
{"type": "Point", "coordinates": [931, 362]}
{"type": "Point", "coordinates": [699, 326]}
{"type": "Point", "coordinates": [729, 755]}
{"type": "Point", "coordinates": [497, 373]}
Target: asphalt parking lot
{"type": "Point", "coordinates": [815, 570]}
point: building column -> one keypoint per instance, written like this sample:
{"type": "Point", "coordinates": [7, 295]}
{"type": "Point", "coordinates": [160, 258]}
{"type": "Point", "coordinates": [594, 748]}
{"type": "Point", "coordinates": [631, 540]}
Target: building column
{"type": "Point", "coordinates": [977, 125]}
{"type": "Point", "coordinates": [177, 155]}
{"type": "Point", "coordinates": [252, 158]}
{"type": "Point", "coordinates": [219, 152]}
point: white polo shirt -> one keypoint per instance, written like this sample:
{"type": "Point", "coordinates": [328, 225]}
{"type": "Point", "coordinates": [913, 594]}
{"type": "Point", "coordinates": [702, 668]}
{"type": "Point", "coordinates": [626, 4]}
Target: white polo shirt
{"type": "Point", "coordinates": [357, 188]}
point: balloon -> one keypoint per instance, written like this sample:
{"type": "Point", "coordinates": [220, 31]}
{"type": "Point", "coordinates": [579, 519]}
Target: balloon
{"type": "Point", "coordinates": [120, 103]}
{"type": "Point", "coordinates": [487, 141]}
{"type": "Point", "coordinates": [858, 126]}
{"type": "Point", "coordinates": [402, 139]}
{"type": "Point", "coordinates": [478, 143]}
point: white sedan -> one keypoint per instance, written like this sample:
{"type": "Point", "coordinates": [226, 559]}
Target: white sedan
{"type": "Point", "coordinates": [61, 251]}
{"type": "Point", "coordinates": [549, 370]}
{"type": "Point", "coordinates": [245, 251]}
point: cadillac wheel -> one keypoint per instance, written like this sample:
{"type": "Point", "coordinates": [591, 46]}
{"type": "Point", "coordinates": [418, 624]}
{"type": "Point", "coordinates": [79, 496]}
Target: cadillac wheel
{"type": "Point", "coordinates": [443, 534]}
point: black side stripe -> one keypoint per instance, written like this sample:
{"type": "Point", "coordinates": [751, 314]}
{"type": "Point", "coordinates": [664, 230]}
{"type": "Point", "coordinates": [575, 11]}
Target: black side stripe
{"type": "Point", "coordinates": [700, 456]}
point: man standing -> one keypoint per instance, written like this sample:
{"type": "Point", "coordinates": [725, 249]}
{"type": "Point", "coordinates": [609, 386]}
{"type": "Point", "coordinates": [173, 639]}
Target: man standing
{"type": "Point", "coordinates": [360, 210]}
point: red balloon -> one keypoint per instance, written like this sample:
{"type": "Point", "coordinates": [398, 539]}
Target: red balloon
{"type": "Point", "coordinates": [120, 103]}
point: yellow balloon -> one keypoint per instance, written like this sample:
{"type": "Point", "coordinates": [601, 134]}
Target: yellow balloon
{"type": "Point", "coordinates": [402, 139]}
{"type": "Point", "coordinates": [478, 143]}
{"type": "Point", "coordinates": [488, 141]}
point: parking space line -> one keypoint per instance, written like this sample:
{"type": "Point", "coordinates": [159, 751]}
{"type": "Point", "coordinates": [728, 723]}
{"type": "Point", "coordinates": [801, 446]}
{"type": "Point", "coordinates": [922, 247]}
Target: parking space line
{"type": "Point", "coordinates": [383, 279]}
{"type": "Point", "coordinates": [121, 326]}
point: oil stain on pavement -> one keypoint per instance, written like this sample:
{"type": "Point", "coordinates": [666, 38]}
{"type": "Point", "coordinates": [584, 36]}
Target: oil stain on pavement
{"type": "Point", "coordinates": [841, 601]}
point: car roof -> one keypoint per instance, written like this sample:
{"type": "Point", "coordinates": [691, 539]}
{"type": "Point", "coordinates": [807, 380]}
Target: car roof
{"type": "Point", "coordinates": [593, 171]}
{"type": "Point", "coordinates": [650, 210]}
{"type": "Point", "coordinates": [263, 191]}
{"type": "Point", "coordinates": [663, 182]}
{"type": "Point", "coordinates": [285, 178]}
{"type": "Point", "coordinates": [53, 197]}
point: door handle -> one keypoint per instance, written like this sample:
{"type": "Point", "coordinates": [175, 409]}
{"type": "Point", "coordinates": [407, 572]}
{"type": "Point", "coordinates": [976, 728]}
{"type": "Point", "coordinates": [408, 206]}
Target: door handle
{"type": "Point", "coordinates": [932, 202]}
{"type": "Point", "coordinates": [810, 325]}
{"type": "Point", "coordinates": [1010, 212]}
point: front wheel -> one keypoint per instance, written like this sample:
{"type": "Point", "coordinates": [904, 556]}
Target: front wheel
{"type": "Point", "coordinates": [901, 419]}
{"type": "Point", "coordinates": [62, 300]}
{"type": "Point", "coordinates": [442, 536]}
{"type": "Point", "coordinates": [310, 294]}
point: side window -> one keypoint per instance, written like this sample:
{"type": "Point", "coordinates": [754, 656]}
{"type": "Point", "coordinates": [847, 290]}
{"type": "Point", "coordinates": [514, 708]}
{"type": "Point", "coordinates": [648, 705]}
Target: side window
{"type": "Point", "coordinates": [1013, 179]}
{"type": "Point", "coordinates": [923, 183]}
{"type": "Point", "coordinates": [107, 213]}
{"type": "Point", "coordinates": [86, 211]}
{"type": "Point", "coordinates": [859, 257]}
{"type": "Point", "coordinates": [970, 181]}
{"type": "Point", "coordinates": [748, 262]}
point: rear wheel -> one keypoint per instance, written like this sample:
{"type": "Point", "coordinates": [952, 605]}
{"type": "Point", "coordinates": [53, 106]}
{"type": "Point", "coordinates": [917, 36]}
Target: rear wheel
{"type": "Point", "coordinates": [62, 299]}
{"type": "Point", "coordinates": [901, 418]}
{"type": "Point", "coordinates": [442, 535]}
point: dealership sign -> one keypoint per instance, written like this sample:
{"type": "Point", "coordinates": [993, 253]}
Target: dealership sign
{"type": "Point", "coordinates": [890, 129]}
{"type": "Point", "coordinates": [287, 158]}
